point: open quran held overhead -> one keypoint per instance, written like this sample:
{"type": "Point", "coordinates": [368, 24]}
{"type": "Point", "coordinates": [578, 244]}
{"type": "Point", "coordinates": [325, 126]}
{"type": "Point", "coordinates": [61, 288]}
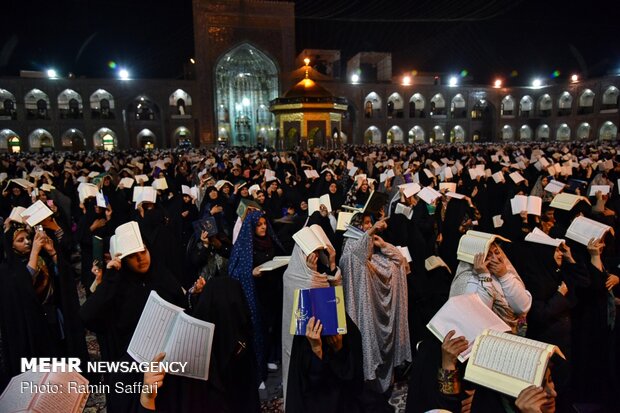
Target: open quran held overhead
{"type": "Point", "coordinates": [482, 274]}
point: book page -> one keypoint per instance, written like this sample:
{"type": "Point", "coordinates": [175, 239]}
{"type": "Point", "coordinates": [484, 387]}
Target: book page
{"type": "Point", "coordinates": [325, 200]}
{"type": "Point", "coordinates": [507, 363]}
{"type": "Point", "coordinates": [595, 188]}
{"type": "Point", "coordinates": [13, 399]}
{"type": "Point", "coordinates": [405, 253]}
{"type": "Point", "coordinates": [128, 239]}
{"type": "Point", "coordinates": [275, 263]}
{"type": "Point", "coordinates": [153, 329]}
{"type": "Point", "coordinates": [468, 316]}
{"type": "Point", "coordinates": [534, 205]}
{"type": "Point", "coordinates": [433, 262]}
{"type": "Point", "coordinates": [344, 218]}
{"type": "Point", "coordinates": [540, 237]}
{"type": "Point", "coordinates": [126, 182]}
{"type": "Point", "coordinates": [470, 245]}
{"type": "Point", "coordinates": [518, 204]}
{"type": "Point", "coordinates": [191, 341]}
{"type": "Point", "coordinates": [16, 214]}
{"type": "Point", "coordinates": [583, 229]}
{"type": "Point", "coordinates": [403, 210]}
{"type": "Point", "coordinates": [307, 240]}
{"type": "Point", "coordinates": [314, 205]}
{"type": "Point", "coordinates": [320, 234]}
{"type": "Point", "coordinates": [65, 400]}
{"type": "Point", "coordinates": [36, 213]}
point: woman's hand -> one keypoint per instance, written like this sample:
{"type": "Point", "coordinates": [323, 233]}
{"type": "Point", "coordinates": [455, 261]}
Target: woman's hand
{"type": "Point", "coordinates": [563, 289]}
{"type": "Point", "coordinates": [450, 350]}
{"type": "Point", "coordinates": [480, 266]}
{"type": "Point", "coordinates": [612, 281]}
{"type": "Point", "coordinates": [115, 263]}
{"type": "Point", "coordinates": [97, 272]}
{"type": "Point", "coordinates": [98, 223]}
{"type": "Point", "coordinates": [497, 266]}
{"type": "Point", "coordinates": [335, 342]}
{"type": "Point", "coordinates": [331, 252]}
{"type": "Point", "coordinates": [566, 253]}
{"type": "Point", "coordinates": [256, 272]}
{"type": "Point", "coordinates": [531, 399]}
{"type": "Point", "coordinates": [153, 381]}
{"type": "Point", "coordinates": [38, 241]}
{"type": "Point", "coordinates": [595, 247]}
{"type": "Point", "coordinates": [378, 241]}
{"type": "Point", "coordinates": [204, 238]}
{"type": "Point", "coordinates": [198, 286]}
{"type": "Point", "coordinates": [313, 334]}
{"type": "Point", "coordinates": [312, 260]}
{"type": "Point", "coordinates": [379, 226]}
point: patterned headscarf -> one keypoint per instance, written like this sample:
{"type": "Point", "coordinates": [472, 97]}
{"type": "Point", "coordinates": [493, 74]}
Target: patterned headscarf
{"type": "Point", "coordinates": [240, 267]}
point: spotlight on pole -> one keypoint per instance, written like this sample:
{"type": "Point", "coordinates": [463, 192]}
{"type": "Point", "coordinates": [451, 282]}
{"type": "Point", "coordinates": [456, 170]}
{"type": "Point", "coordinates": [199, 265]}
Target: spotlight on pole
{"type": "Point", "coordinates": [355, 78]}
{"type": "Point", "coordinates": [453, 81]}
{"type": "Point", "coordinates": [51, 73]}
{"type": "Point", "coordinates": [497, 83]}
{"type": "Point", "coordinates": [537, 83]}
{"type": "Point", "coordinates": [123, 74]}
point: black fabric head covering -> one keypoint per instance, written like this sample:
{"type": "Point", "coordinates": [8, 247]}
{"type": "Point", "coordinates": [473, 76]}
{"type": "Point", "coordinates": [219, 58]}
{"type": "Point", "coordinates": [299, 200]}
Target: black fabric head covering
{"type": "Point", "coordinates": [11, 256]}
{"type": "Point", "coordinates": [223, 303]}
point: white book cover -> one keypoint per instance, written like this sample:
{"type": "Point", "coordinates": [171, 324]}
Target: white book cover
{"type": "Point", "coordinates": [344, 218]}
{"type": "Point", "coordinates": [164, 327]}
{"type": "Point", "coordinates": [468, 316]}
{"type": "Point", "coordinates": [410, 189]}
{"type": "Point", "coordinates": [352, 169]}
{"type": "Point", "coordinates": [86, 190]}
{"type": "Point", "coordinates": [539, 237]}
{"type": "Point", "coordinates": [36, 213]}
{"type": "Point", "coordinates": [428, 195]}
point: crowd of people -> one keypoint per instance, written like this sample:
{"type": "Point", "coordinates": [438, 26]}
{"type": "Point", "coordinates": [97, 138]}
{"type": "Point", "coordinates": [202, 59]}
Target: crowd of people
{"type": "Point", "coordinates": [563, 295]}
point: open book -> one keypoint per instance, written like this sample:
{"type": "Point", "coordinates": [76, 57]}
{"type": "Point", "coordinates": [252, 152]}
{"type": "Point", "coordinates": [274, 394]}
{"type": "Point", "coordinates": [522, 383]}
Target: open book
{"type": "Point", "coordinates": [583, 229]}
{"type": "Point", "coordinates": [160, 184]}
{"type": "Point", "coordinates": [376, 201]}
{"type": "Point", "coordinates": [508, 363]}
{"type": "Point", "coordinates": [474, 242]}
{"type": "Point", "coordinates": [434, 262]}
{"type": "Point", "coordinates": [314, 204]}
{"type": "Point", "coordinates": [16, 214]}
{"type": "Point", "coordinates": [126, 240]}
{"type": "Point", "coordinates": [468, 316]}
{"type": "Point", "coordinates": [429, 195]}
{"type": "Point", "coordinates": [126, 182]}
{"type": "Point", "coordinates": [404, 210]}
{"type": "Point", "coordinates": [324, 304]}
{"type": "Point", "coordinates": [70, 398]}
{"type": "Point", "coordinates": [540, 237]}
{"type": "Point", "coordinates": [595, 188]}
{"type": "Point", "coordinates": [36, 213]}
{"type": "Point", "coordinates": [566, 201]}
{"type": "Point", "coordinates": [277, 262]}
{"type": "Point", "coordinates": [353, 232]}
{"type": "Point", "coordinates": [344, 219]}
{"type": "Point", "coordinates": [311, 238]}
{"type": "Point", "coordinates": [532, 204]}
{"type": "Point", "coordinates": [555, 187]}
{"type": "Point", "coordinates": [164, 327]}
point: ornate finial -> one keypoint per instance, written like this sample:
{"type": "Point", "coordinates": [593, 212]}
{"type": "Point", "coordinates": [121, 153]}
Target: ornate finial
{"type": "Point", "coordinates": [307, 61]}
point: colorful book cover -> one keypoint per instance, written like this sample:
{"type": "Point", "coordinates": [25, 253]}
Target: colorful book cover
{"type": "Point", "coordinates": [324, 304]}
{"type": "Point", "coordinates": [206, 224]}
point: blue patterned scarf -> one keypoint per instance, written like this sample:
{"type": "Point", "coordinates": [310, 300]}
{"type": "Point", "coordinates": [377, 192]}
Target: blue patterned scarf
{"type": "Point", "coordinates": [240, 267]}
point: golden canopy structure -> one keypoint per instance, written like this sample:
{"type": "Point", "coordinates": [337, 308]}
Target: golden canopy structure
{"type": "Point", "coordinates": [308, 115]}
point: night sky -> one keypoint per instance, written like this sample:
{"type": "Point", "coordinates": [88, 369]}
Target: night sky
{"type": "Point", "coordinates": [487, 38]}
